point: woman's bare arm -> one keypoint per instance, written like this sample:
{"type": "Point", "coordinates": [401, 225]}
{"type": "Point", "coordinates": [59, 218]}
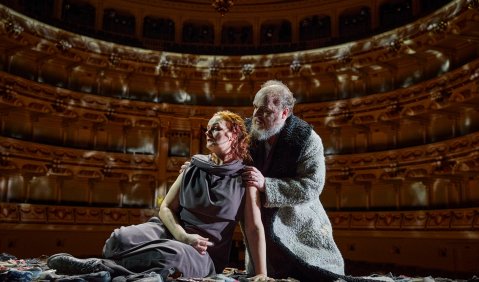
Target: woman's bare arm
{"type": "Point", "coordinates": [168, 214]}
{"type": "Point", "coordinates": [254, 231]}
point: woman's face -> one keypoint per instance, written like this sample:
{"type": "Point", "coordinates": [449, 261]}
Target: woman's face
{"type": "Point", "coordinates": [218, 136]}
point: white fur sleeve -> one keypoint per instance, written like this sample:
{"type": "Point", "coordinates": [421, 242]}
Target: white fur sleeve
{"type": "Point", "coordinates": [308, 183]}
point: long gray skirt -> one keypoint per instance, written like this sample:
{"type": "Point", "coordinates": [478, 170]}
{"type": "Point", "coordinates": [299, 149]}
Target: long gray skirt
{"type": "Point", "coordinates": [149, 245]}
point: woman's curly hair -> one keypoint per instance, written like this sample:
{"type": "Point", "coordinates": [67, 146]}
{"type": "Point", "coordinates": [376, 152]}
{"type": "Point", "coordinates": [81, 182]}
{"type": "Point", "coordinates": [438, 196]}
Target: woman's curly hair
{"type": "Point", "coordinates": [240, 145]}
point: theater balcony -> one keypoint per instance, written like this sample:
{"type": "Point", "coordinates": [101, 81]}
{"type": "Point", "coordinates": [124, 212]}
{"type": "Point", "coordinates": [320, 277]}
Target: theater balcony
{"type": "Point", "coordinates": [101, 102]}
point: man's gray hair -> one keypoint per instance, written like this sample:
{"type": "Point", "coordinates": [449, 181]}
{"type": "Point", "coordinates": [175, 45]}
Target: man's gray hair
{"type": "Point", "coordinates": [280, 94]}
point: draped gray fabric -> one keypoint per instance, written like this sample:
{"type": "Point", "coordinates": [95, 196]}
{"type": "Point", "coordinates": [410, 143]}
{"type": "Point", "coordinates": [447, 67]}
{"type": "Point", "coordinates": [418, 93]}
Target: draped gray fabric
{"type": "Point", "coordinates": [211, 201]}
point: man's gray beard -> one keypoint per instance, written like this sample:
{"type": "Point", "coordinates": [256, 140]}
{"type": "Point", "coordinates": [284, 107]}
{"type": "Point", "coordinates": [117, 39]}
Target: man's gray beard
{"type": "Point", "coordinates": [264, 134]}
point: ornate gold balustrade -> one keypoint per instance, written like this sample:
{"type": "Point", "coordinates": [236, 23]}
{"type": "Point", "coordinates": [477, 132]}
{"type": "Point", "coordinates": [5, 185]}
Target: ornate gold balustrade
{"type": "Point", "coordinates": [433, 175]}
{"type": "Point", "coordinates": [439, 109]}
{"type": "Point", "coordinates": [401, 137]}
{"type": "Point", "coordinates": [50, 174]}
{"type": "Point", "coordinates": [413, 163]}
{"type": "Point", "coordinates": [421, 220]}
{"type": "Point", "coordinates": [432, 241]}
{"type": "Point", "coordinates": [61, 161]}
{"type": "Point", "coordinates": [69, 215]}
{"type": "Point", "coordinates": [450, 92]}
{"type": "Point", "coordinates": [447, 239]}
{"type": "Point", "coordinates": [436, 44]}
{"type": "Point", "coordinates": [41, 113]}
{"type": "Point", "coordinates": [436, 175]}
{"type": "Point", "coordinates": [78, 229]}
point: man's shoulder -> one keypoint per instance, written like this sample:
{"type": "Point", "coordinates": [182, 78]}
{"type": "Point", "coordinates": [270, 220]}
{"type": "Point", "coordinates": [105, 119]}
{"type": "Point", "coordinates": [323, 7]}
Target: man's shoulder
{"type": "Point", "coordinates": [297, 123]}
{"type": "Point", "coordinates": [296, 131]}
{"type": "Point", "coordinates": [314, 139]}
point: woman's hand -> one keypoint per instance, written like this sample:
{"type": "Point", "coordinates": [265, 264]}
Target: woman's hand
{"type": "Point", "coordinates": [169, 211]}
{"type": "Point", "coordinates": [200, 244]}
{"type": "Point", "coordinates": [260, 278]}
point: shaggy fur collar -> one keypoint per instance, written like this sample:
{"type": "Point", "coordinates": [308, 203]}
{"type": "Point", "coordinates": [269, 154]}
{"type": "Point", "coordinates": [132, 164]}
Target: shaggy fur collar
{"type": "Point", "coordinates": [288, 148]}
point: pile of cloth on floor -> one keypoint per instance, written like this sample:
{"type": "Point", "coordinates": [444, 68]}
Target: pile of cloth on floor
{"type": "Point", "coordinates": [66, 268]}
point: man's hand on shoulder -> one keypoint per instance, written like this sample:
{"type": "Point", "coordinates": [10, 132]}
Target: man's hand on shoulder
{"type": "Point", "coordinates": [253, 177]}
{"type": "Point", "coordinates": [184, 166]}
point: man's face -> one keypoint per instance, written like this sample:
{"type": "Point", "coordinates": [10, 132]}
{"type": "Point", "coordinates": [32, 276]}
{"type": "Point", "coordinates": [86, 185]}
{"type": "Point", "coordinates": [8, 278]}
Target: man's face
{"type": "Point", "coordinates": [268, 119]}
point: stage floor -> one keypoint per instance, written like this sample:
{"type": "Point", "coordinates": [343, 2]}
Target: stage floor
{"type": "Point", "coordinates": [36, 269]}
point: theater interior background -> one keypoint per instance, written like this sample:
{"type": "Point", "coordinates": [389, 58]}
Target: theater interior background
{"type": "Point", "coordinates": [102, 101]}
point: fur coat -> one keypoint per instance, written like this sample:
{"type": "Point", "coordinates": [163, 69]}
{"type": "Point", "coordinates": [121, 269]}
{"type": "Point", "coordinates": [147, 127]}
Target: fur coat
{"type": "Point", "coordinates": [294, 181]}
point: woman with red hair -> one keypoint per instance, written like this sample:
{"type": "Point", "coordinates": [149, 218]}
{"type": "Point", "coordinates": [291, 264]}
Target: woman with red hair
{"type": "Point", "coordinates": [197, 217]}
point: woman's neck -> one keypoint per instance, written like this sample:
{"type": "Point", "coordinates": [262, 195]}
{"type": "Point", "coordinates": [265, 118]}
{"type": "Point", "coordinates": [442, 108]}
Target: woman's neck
{"type": "Point", "coordinates": [219, 160]}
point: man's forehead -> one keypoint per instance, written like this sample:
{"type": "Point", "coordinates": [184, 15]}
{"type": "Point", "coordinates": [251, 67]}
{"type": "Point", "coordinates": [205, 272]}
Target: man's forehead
{"type": "Point", "coordinates": [262, 100]}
